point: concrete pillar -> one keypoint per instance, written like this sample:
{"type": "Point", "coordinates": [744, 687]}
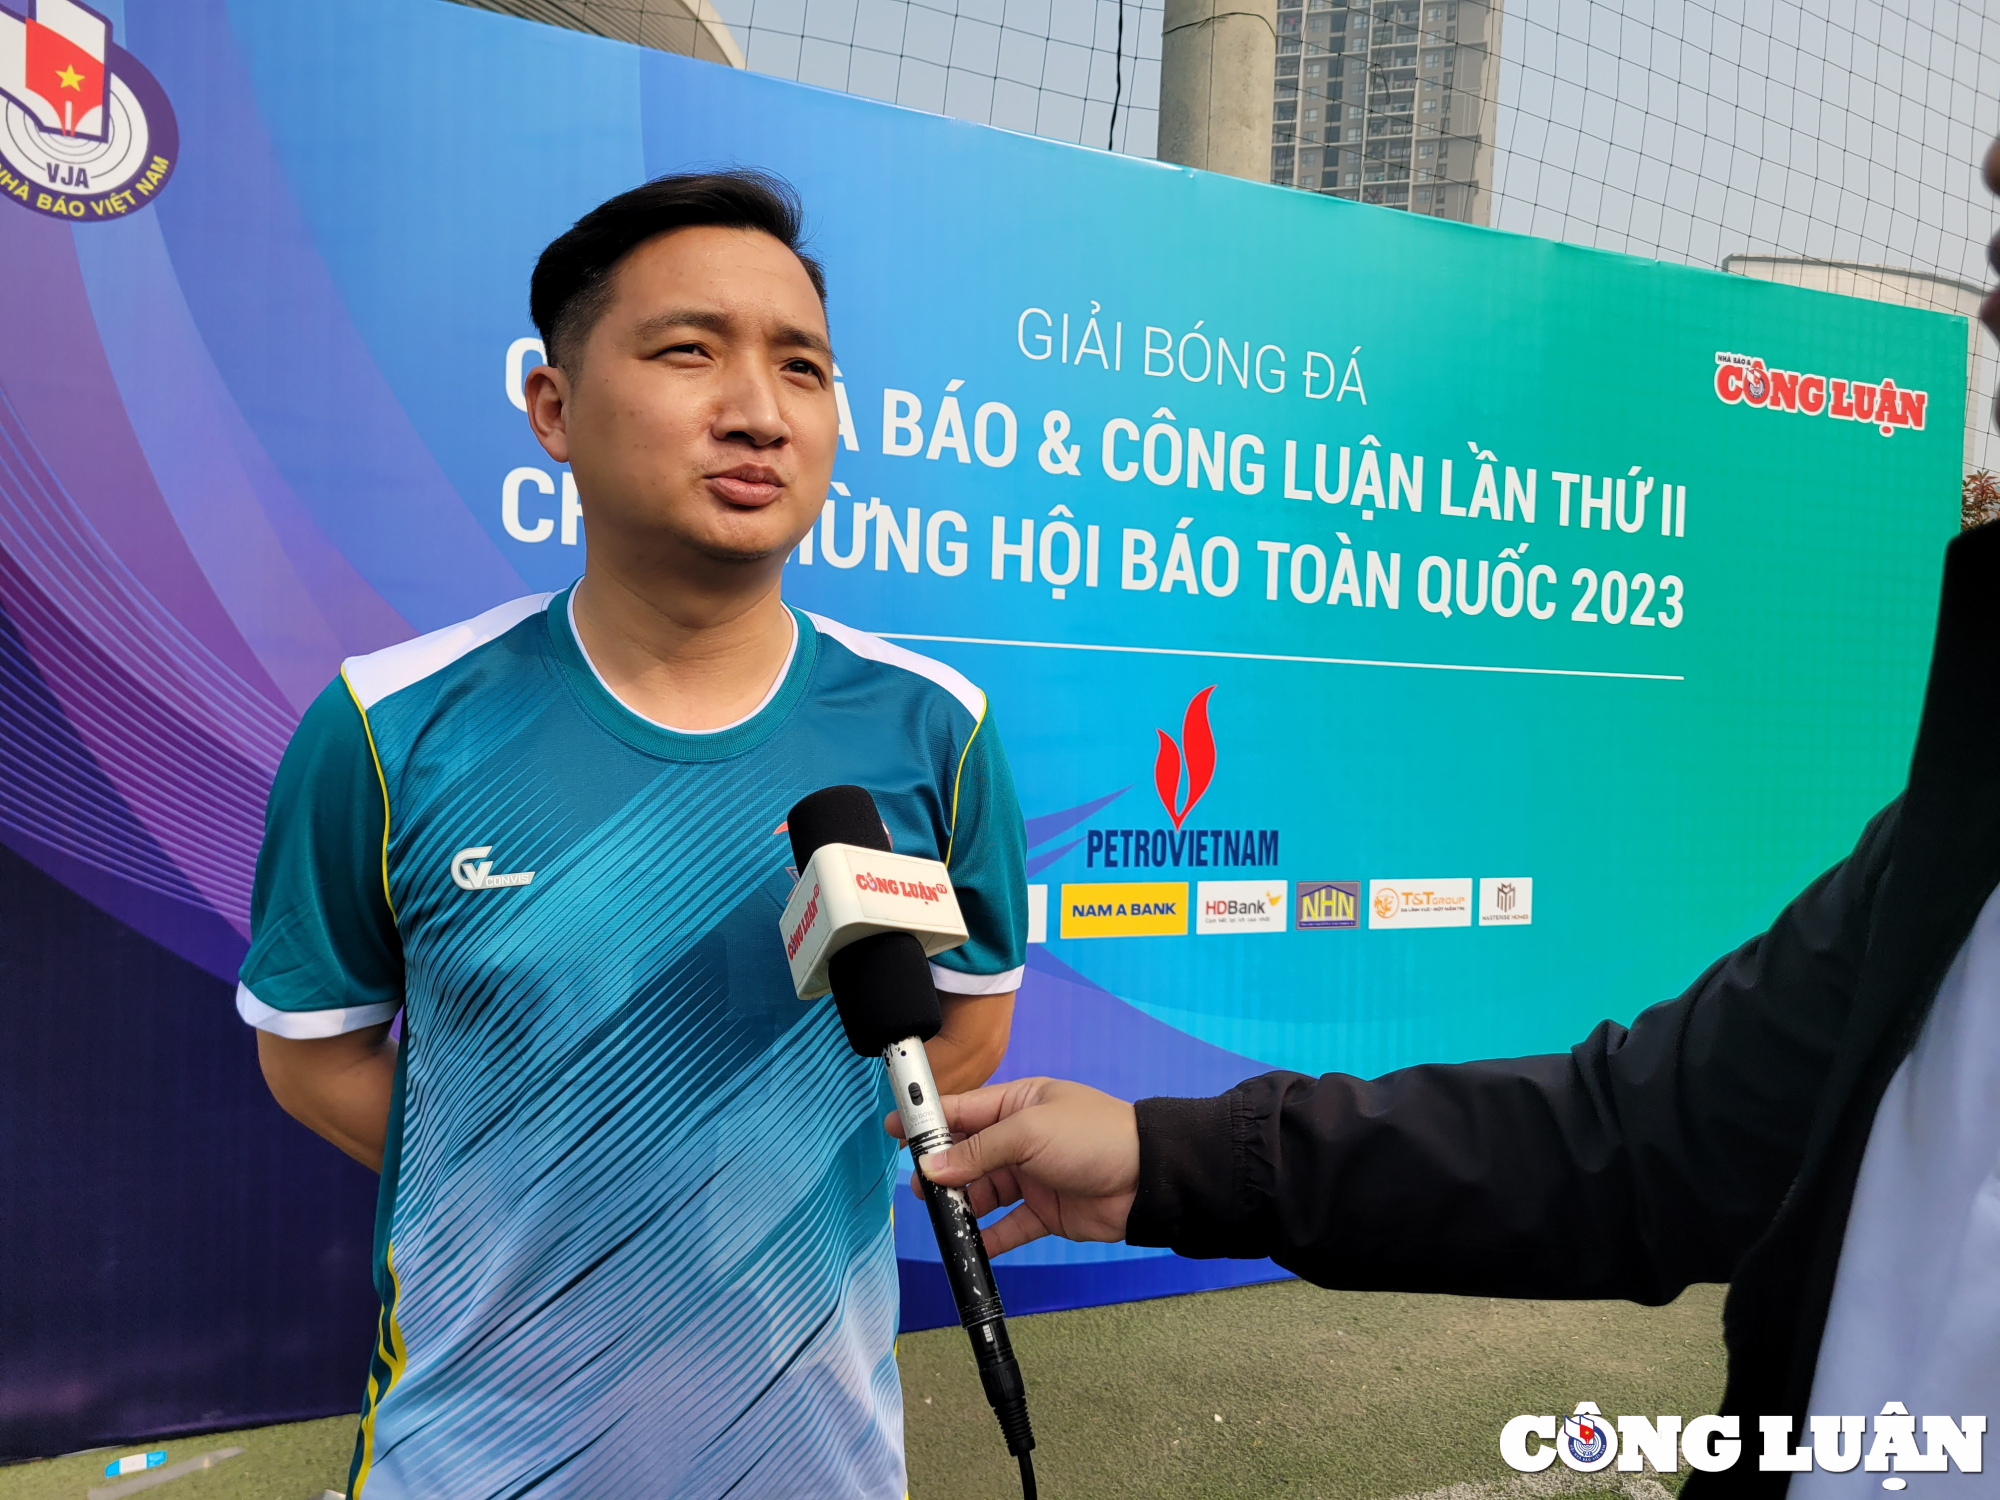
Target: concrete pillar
{"type": "Point", "coordinates": [1217, 61]}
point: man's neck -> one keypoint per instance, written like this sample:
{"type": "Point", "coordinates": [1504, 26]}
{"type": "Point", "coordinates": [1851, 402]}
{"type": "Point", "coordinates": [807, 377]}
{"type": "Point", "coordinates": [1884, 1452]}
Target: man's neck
{"type": "Point", "coordinates": [682, 658]}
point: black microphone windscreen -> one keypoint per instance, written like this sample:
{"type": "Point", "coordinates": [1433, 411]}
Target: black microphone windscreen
{"type": "Point", "coordinates": [835, 815]}
{"type": "Point", "coordinates": [883, 989]}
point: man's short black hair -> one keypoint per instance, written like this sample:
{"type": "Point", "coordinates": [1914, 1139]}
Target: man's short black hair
{"type": "Point", "coordinates": [572, 282]}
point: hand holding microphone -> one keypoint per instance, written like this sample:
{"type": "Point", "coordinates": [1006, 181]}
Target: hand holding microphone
{"type": "Point", "coordinates": [1067, 1153]}
{"type": "Point", "coordinates": [863, 921]}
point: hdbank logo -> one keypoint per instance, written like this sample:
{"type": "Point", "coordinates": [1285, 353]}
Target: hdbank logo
{"type": "Point", "coordinates": [86, 133]}
{"type": "Point", "coordinates": [1131, 909]}
{"type": "Point", "coordinates": [1240, 906]}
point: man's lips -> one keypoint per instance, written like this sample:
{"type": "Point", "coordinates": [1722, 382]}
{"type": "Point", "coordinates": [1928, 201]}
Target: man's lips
{"type": "Point", "coordinates": [747, 485]}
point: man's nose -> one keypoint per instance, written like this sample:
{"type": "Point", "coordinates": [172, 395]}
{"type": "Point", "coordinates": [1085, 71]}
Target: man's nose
{"type": "Point", "coordinates": [750, 407]}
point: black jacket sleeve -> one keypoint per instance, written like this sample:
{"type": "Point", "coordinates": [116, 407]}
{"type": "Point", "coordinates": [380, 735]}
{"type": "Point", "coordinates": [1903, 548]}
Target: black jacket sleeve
{"type": "Point", "coordinates": [1639, 1162]}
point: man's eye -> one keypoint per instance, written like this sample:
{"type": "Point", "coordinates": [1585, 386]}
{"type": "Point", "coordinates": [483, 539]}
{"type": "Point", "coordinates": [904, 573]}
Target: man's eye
{"type": "Point", "coordinates": [807, 368]}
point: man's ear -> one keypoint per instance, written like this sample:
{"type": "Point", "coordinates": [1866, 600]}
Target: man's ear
{"type": "Point", "coordinates": [547, 392]}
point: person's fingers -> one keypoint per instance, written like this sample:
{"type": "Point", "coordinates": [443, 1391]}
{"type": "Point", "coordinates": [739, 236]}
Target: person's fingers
{"type": "Point", "coordinates": [969, 1113]}
{"type": "Point", "coordinates": [893, 1123]}
{"type": "Point", "coordinates": [995, 1190]}
{"type": "Point", "coordinates": [983, 1197]}
{"type": "Point", "coordinates": [1000, 1144]}
{"type": "Point", "coordinates": [1014, 1231]}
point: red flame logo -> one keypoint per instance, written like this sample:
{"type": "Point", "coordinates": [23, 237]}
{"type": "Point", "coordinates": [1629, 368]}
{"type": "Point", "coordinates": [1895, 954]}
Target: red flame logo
{"type": "Point", "coordinates": [1197, 744]}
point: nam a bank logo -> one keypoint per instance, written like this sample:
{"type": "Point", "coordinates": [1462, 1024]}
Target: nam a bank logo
{"type": "Point", "coordinates": [86, 132]}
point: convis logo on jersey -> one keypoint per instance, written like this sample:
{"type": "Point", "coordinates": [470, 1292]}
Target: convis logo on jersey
{"type": "Point", "coordinates": [86, 133]}
{"type": "Point", "coordinates": [471, 870]}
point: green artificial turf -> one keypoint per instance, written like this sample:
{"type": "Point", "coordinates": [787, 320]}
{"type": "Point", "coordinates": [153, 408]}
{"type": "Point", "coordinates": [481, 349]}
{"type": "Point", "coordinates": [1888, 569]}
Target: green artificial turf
{"type": "Point", "coordinates": [1327, 1395]}
{"type": "Point", "coordinates": [295, 1461]}
{"type": "Point", "coordinates": [1332, 1395]}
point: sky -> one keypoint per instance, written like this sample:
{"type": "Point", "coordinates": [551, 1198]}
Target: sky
{"type": "Point", "coordinates": [1045, 67]}
{"type": "Point", "coordinates": [1845, 130]}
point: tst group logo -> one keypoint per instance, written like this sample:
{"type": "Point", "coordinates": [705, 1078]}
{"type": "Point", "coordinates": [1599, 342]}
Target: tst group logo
{"type": "Point", "coordinates": [86, 132]}
{"type": "Point", "coordinates": [1420, 903]}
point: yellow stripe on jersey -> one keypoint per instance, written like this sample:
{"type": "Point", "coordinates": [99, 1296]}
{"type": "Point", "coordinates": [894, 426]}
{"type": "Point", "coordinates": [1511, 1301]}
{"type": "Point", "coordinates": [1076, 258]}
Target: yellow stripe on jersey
{"type": "Point", "coordinates": [957, 776]}
{"type": "Point", "coordinates": [394, 1355]}
{"type": "Point", "coordinates": [376, 756]}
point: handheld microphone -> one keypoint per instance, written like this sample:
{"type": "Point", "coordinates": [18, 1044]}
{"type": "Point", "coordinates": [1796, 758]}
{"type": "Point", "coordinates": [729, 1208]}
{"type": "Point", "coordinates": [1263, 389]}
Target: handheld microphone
{"type": "Point", "coordinates": [863, 922]}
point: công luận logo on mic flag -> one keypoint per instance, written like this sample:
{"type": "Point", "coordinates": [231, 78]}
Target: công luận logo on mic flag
{"type": "Point", "coordinates": [86, 132]}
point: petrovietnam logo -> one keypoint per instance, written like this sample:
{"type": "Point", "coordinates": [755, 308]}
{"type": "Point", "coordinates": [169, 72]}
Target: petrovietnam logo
{"type": "Point", "coordinates": [1195, 750]}
{"type": "Point", "coordinates": [86, 132]}
{"type": "Point", "coordinates": [1183, 770]}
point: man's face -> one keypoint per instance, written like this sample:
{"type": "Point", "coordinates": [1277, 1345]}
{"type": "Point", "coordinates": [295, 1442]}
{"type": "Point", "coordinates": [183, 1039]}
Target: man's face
{"type": "Point", "coordinates": [699, 419]}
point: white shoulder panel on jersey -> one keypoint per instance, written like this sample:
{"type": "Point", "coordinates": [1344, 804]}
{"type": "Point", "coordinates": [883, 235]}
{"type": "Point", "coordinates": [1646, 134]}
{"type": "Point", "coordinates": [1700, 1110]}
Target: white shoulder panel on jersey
{"type": "Point", "coordinates": [378, 674]}
{"type": "Point", "coordinates": [311, 1024]}
{"type": "Point", "coordinates": [951, 982]}
{"type": "Point", "coordinates": [874, 648]}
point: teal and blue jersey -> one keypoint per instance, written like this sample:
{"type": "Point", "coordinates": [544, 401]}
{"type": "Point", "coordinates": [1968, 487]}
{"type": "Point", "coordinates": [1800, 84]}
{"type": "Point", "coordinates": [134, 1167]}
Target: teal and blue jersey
{"type": "Point", "coordinates": [633, 1234]}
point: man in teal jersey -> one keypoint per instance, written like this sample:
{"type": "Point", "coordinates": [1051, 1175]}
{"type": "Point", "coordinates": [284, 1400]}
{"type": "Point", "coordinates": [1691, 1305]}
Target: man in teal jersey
{"type": "Point", "coordinates": [633, 1234]}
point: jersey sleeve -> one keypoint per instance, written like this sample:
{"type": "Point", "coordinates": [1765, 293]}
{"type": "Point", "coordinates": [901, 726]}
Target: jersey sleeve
{"type": "Point", "coordinates": [987, 859]}
{"type": "Point", "coordinates": [324, 954]}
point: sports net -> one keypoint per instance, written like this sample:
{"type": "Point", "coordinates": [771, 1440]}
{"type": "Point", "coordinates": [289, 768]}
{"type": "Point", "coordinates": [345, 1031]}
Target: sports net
{"type": "Point", "coordinates": [1086, 71]}
{"type": "Point", "coordinates": [1828, 143]}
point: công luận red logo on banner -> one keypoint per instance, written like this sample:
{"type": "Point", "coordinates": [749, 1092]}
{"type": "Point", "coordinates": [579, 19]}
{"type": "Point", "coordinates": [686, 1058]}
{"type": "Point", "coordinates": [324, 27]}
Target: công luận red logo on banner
{"type": "Point", "coordinates": [1745, 378]}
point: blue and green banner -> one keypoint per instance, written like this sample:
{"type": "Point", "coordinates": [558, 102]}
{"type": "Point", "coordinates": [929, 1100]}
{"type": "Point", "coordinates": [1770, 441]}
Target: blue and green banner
{"type": "Point", "coordinates": [1413, 642]}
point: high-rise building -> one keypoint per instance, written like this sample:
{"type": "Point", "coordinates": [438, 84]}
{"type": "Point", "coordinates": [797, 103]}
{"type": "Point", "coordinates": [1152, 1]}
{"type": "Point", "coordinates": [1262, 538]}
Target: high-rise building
{"type": "Point", "coordinates": [1389, 101]}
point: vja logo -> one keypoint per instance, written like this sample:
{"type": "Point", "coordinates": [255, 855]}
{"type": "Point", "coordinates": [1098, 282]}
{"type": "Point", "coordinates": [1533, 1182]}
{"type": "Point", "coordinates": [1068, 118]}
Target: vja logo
{"type": "Point", "coordinates": [85, 132]}
{"type": "Point", "coordinates": [1588, 1441]}
{"type": "Point", "coordinates": [1756, 382]}
{"type": "Point", "coordinates": [471, 870]}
